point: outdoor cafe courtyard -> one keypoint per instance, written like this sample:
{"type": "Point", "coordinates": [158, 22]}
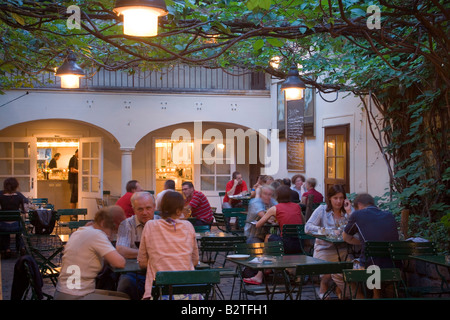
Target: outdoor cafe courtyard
{"type": "Point", "coordinates": [249, 152]}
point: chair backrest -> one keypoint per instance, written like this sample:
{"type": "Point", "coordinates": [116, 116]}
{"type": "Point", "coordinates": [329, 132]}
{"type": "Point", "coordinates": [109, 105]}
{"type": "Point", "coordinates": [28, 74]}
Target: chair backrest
{"type": "Point", "coordinates": [376, 249]}
{"type": "Point", "coordinates": [231, 211]}
{"type": "Point", "coordinates": [221, 222]}
{"type": "Point", "coordinates": [204, 228]}
{"type": "Point", "coordinates": [11, 215]}
{"type": "Point", "coordinates": [392, 275]}
{"type": "Point", "coordinates": [402, 250]}
{"type": "Point", "coordinates": [77, 224]}
{"type": "Point", "coordinates": [186, 282]}
{"type": "Point", "coordinates": [291, 230]}
{"type": "Point", "coordinates": [72, 212]}
{"type": "Point", "coordinates": [238, 213]}
{"type": "Point", "coordinates": [302, 234]}
{"type": "Point", "coordinates": [322, 268]}
{"type": "Point", "coordinates": [39, 200]}
{"type": "Point", "coordinates": [221, 244]}
{"type": "Point", "coordinates": [273, 248]}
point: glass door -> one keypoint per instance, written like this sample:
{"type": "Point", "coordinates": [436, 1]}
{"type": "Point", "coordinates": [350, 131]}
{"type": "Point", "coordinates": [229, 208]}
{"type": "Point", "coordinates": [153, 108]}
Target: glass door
{"type": "Point", "coordinates": [90, 177]}
{"type": "Point", "coordinates": [336, 157]}
{"type": "Point", "coordinates": [18, 157]}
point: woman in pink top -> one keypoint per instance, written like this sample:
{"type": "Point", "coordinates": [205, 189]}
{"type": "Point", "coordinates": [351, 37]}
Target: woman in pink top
{"type": "Point", "coordinates": [167, 244]}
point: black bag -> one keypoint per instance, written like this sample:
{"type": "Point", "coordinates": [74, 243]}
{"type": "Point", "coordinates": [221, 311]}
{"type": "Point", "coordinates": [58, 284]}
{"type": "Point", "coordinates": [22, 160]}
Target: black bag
{"type": "Point", "coordinates": [43, 220]}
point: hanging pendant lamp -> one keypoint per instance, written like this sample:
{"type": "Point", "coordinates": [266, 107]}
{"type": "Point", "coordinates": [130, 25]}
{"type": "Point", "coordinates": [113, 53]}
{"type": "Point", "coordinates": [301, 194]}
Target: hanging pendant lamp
{"type": "Point", "coordinates": [70, 72]}
{"type": "Point", "coordinates": [293, 86]}
{"type": "Point", "coordinates": [140, 17]}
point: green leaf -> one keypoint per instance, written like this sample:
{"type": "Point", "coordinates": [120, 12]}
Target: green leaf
{"type": "Point", "coordinates": [258, 44]}
{"type": "Point", "coordinates": [18, 19]}
{"type": "Point", "coordinates": [275, 42]}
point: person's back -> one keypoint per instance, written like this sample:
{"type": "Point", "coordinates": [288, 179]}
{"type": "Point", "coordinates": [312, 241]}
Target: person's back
{"type": "Point", "coordinates": [85, 250]}
{"type": "Point", "coordinates": [288, 213]}
{"type": "Point", "coordinates": [372, 224]}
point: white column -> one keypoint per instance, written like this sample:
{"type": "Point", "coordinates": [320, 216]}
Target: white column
{"type": "Point", "coordinates": [127, 167]}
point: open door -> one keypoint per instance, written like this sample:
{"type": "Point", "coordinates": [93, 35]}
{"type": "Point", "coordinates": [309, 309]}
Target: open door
{"type": "Point", "coordinates": [18, 158]}
{"type": "Point", "coordinates": [90, 176]}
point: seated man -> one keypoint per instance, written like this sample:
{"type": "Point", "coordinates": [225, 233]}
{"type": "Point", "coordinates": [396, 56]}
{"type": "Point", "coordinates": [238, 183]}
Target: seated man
{"type": "Point", "coordinates": [310, 187]}
{"type": "Point", "coordinates": [128, 238]}
{"type": "Point", "coordinates": [371, 224]}
{"type": "Point", "coordinates": [197, 204]}
{"type": "Point", "coordinates": [256, 210]}
{"type": "Point", "coordinates": [169, 185]}
{"type": "Point", "coordinates": [236, 186]}
{"type": "Point", "coordinates": [125, 201]}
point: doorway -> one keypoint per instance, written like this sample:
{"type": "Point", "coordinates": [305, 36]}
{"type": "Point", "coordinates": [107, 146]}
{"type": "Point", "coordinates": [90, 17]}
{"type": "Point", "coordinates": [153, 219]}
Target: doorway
{"type": "Point", "coordinates": [336, 146]}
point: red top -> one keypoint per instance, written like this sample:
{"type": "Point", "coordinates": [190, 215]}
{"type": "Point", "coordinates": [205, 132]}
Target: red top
{"type": "Point", "coordinates": [288, 213]}
{"type": "Point", "coordinates": [201, 209]}
{"type": "Point", "coordinates": [239, 188]}
{"type": "Point", "coordinates": [125, 203]}
{"type": "Point", "coordinates": [318, 197]}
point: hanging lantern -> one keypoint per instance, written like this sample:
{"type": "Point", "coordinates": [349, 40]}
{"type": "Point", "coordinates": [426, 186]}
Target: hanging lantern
{"type": "Point", "coordinates": [140, 17]}
{"type": "Point", "coordinates": [70, 72]}
{"type": "Point", "coordinates": [293, 86]}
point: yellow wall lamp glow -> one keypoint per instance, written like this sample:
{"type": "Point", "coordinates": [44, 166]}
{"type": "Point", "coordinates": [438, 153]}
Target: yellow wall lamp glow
{"type": "Point", "coordinates": [140, 17]}
{"type": "Point", "coordinates": [293, 86]}
{"type": "Point", "coordinates": [70, 72]}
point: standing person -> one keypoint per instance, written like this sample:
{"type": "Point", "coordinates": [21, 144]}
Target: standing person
{"type": "Point", "coordinates": [336, 210]}
{"type": "Point", "coordinates": [197, 203]}
{"type": "Point", "coordinates": [53, 163]}
{"type": "Point", "coordinates": [73, 180]}
{"type": "Point", "coordinates": [169, 185]}
{"type": "Point", "coordinates": [125, 201]}
{"type": "Point", "coordinates": [11, 199]}
{"type": "Point", "coordinates": [167, 244]}
{"type": "Point", "coordinates": [236, 186]}
{"type": "Point", "coordinates": [310, 187]}
{"type": "Point", "coordinates": [298, 184]}
{"type": "Point", "coordinates": [84, 255]}
{"type": "Point", "coordinates": [129, 238]}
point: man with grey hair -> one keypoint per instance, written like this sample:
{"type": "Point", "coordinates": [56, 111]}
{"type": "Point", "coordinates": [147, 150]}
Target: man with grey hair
{"type": "Point", "coordinates": [128, 239]}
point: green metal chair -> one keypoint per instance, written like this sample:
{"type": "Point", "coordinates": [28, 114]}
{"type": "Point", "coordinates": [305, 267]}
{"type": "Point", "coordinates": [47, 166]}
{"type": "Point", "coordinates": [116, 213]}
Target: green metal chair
{"type": "Point", "coordinates": [73, 225]}
{"type": "Point", "coordinates": [185, 282]}
{"type": "Point", "coordinates": [38, 201]}
{"type": "Point", "coordinates": [273, 248]}
{"type": "Point", "coordinates": [312, 271]}
{"type": "Point", "coordinates": [13, 216]}
{"type": "Point", "coordinates": [361, 277]}
{"type": "Point", "coordinates": [404, 251]}
{"type": "Point", "coordinates": [240, 216]}
{"type": "Point", "coordinates": [221, 222]}
{"type": "Point", "coordinates": [211, 247]}
{"type": "Point", "coordinates": [303, 236]}
{"type": "Point", "coordinates": [69, 212]}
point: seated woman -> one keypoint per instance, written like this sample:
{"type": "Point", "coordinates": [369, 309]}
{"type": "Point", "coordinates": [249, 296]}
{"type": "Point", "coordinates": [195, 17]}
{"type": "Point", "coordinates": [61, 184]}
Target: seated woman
{"type": "Point", "coordinates": [168, 244]}
{"type": "Point", "coordinates": [11, 199]}
{"type": "Point", "coordinates": [84, 255]}
{"type": "Point", "coordinates": [331, 215]}
{"type": "Point", "coordinates": [285, 212]}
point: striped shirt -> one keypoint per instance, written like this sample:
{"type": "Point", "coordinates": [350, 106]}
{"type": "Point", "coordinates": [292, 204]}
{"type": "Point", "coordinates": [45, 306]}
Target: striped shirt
{"type": "Point", "coordinates": [201, 209]}
{"type": "Point", "coordinates": [130, 231]}
{"type": "Point", "coordinates": [321, 218]}
{"type": "Point", "coordinates": [167, 246]}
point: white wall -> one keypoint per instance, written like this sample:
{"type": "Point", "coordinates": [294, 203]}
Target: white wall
{"type": "Point", "coordinates": [368, 172]}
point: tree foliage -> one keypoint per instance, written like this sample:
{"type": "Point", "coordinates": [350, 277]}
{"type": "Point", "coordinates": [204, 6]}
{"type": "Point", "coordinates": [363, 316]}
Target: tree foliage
{"type": "Point", "coordinates": [401, 71]}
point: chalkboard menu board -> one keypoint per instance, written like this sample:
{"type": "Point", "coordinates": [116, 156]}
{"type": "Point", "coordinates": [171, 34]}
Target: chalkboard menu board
{"type": "Point", "coordinates": [295, 144]}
